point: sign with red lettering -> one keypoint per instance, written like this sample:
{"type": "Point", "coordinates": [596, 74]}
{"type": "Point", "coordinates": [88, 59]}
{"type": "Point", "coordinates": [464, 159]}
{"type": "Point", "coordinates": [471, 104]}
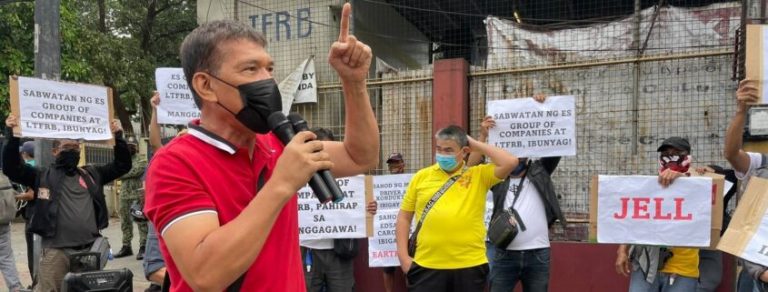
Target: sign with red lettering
{"type": "Point", "coordinates": [638, 210]}
{"type": "Point", "coordinates": [388, 191]}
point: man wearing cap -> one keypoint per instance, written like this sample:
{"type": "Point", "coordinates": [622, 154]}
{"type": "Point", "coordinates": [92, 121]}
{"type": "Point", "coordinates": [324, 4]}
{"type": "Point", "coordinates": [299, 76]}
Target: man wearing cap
{"type": "Point", "coordinates": [27, 194]}
{"type": "Point", "coordinates": [27, 151]}
{"type": "Point", "coordinates": [680, 266]}
{"type": "Point", "coordinates": [132, 193]}
{"type": "Point", "coordinates": [396, 165]}
{"type": "Point", "coordinates": [527, 258]}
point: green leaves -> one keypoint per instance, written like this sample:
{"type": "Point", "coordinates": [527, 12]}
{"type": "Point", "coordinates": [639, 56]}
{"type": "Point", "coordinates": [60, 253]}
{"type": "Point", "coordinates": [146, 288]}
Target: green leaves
{"type": "Point", "coordinates": [118, 45]}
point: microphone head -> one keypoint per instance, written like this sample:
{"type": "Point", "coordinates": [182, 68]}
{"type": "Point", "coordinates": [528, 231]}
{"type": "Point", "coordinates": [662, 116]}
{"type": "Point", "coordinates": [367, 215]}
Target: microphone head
{"type": "Point", "coordinates": [298, 121]}
{"type": "Point", "coordinates": [276, 120]}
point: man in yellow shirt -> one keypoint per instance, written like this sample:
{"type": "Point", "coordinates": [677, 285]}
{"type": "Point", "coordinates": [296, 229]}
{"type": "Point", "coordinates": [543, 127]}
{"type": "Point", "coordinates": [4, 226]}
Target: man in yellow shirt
{"type": "Point", "coordinates": [450, 248]}
{"type": "Point", "coordinates": [679, 270]}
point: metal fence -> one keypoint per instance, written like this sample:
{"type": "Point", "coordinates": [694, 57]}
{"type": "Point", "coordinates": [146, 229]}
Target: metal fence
{"type": "Point", "coordinates": [640, 71]}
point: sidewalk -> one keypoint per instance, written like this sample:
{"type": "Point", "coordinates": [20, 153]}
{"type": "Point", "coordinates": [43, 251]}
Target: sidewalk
{"type": "Point", "coordinates": [115, 240]}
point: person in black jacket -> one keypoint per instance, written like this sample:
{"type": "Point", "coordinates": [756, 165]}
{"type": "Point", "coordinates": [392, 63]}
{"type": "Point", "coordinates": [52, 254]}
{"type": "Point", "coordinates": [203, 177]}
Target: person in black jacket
{"type": "Point", "coordinates": [70, 208]}
{"type": "Point", "coordinates": [526, 258]}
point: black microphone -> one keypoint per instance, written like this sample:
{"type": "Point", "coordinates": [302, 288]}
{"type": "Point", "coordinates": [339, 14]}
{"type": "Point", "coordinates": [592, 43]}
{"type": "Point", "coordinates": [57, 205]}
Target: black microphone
{"type": "Point", "coordinates": [299, 124]}
{"type": "Point", "coordinates": [284, 131]}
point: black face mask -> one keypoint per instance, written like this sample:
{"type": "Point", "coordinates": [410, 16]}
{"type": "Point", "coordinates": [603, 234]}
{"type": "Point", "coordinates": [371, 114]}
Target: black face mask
{"type": "Point", "coordinates": [68, 160]}
{"type": "Point", "coordinates": [261, 99]}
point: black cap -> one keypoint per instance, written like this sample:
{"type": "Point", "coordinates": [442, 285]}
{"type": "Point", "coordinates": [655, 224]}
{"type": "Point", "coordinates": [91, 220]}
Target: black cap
{"type": "Point", "coordinates": [675, 142]}
{"type": "Point", "coordinates": [395, 157]}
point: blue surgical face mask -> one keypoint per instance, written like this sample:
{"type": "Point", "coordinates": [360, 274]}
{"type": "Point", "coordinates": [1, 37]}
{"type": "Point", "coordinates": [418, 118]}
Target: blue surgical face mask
{"type": "Point", "coordinates": [446, 162]}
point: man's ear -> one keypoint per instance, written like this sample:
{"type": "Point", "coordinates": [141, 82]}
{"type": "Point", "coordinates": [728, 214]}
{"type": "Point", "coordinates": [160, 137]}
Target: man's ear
{"type": "Point", "coordinates": [201, 84]}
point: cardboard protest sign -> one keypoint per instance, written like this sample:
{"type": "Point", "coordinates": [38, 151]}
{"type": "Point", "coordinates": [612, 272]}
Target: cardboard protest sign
{"type": "Point", "coordinates": [527, 128]}
{"type": "Point", "coordinates": [345, 219]}
{"type": "Point", "coordinates": [388, 191]}
{"type": "Point", "coordinates": [755, 67]}
{"type": "Point", "coordinates": [61, 110]}
{"type": "Point", "coordinates": [637, 210]}
{"type": "Point", "coordinates": [177, 105]}
{"type": "Point", "coordinates": [747, 235]}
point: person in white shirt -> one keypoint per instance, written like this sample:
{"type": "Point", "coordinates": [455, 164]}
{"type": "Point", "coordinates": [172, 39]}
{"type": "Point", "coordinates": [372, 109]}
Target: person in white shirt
{"type": "Point", "coordinates": [745, 163]}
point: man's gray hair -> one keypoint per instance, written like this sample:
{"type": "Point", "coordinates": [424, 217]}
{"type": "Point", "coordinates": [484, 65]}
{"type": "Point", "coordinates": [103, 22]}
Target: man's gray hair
{"type": "Point", "coordinates": [199, 51]}
{"type": "Point", "coordinates": [454, 133]}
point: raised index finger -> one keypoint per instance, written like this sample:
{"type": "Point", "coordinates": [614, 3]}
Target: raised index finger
{"type": "Point", "coordinates": [346, 10]}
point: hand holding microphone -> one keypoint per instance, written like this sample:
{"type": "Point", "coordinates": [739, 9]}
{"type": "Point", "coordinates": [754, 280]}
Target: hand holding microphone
{"type": "Point", "coordinates": [303, 141]}
{"type": "Point", "coordinates": [300, 125]}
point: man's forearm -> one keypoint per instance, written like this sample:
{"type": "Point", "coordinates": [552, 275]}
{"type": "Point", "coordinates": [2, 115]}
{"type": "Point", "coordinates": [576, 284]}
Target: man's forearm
{"type": "Point", "coordinates": [13, 167]}
{"type": "Point", "coordinates": [237, 243]}
{"type": "Point", "coordinates": [154, 132]}
{"type": "Point", "coordinates": [362, 132]}
{"type": "Point", "coordinates": [733, 136]}
{"type": "Point", "coordinates": [402, 228]}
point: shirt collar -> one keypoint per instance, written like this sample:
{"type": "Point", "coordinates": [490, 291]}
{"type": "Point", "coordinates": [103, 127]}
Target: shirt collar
{"type": "Point", "coordinates": [208, 137]}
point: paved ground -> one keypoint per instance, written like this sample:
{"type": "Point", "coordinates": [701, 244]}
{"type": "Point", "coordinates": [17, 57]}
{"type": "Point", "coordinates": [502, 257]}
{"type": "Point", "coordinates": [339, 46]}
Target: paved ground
{"type": "Point", "coordinates": [115, 239]}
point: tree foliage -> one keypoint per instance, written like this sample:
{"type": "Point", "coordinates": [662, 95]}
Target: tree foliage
{"type": "Point", "coordinates": [116, 43]}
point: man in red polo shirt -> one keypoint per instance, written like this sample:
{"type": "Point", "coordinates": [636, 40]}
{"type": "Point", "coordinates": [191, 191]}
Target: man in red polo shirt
{"type": "Point", "coordinates": [223, 196]}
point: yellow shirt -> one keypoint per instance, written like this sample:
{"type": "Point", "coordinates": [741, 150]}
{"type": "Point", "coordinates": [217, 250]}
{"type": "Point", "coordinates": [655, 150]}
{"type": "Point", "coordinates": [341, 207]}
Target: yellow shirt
{"type": "Point", "coordinates": [452, 234]}
{"type": "Point", "coordinates": [684, 262]}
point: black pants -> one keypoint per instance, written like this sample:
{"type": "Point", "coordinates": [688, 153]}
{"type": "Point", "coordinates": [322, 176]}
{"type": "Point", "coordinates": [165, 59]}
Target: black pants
{"type": "Point", "coordinates": [328, 273]}
{"type": "Point", "coordinates": [30, 251]}
{"type": "Point", "coordinates": [422, 279]}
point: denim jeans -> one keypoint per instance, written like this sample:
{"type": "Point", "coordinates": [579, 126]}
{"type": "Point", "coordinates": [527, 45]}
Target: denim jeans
{"type": "Point", "coordinates": [531, 267]}
{"type": "Point", "coordinates": [662, 283]}
{"type": "Point", "coordinates": [7, 262]}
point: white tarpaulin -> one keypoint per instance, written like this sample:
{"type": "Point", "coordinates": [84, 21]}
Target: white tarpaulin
{"type": "Point", "coordinates": [637, 210]}
{"type": "Point", "coordinates": [52, 109]}
{"type": "Point", "coordinates": [177, 106]}
{"type": "Point", "coordinates": [527, 128]}
{"type": "Point", "coordinates": [345, 219]}
{"type": "Point", "coordinates": [300, 86]}
{"type": "Point", "coordinates": [676, 30]}
{"type": "Point", "coordinates": [388, 191]}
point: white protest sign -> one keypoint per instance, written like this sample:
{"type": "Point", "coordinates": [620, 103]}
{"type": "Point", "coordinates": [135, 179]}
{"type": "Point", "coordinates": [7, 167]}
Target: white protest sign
{"type": "Point", "coordinates": [637, 210]}
{"type": "Point", "coordinates": [527, 128]}
{"type": "Point", "coordinates": [52, 109]}
{"type": "Point", "coordinates": [300, 86]}
{"type": "Point", "coordinates": [345, 219]}
{"type": "Point", "coordinates": [388, 191]}
{"type": "Point", "coordinates": [177, 105]}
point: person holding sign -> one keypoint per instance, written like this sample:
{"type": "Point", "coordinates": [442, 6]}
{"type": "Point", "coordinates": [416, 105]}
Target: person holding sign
{"type": "Point", "coordinates": [396, 165]}
{"type": "Point", "coordinates": [447, 252]}
{"type": "Point", "coordinates": [530, 192]}
{"type": "Point", "coordinates": [330, 262]}
{"type": "Point", "coordinates": [223, 197]}
{"type": "Point", "coordinates": [653, 268]}
{"type": "Point", "coordinates": [77, 194]}
{"type": "Point", "coordinates": [745, 164]}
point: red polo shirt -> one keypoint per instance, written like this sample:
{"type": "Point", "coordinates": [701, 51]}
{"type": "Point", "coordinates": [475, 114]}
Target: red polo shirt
{"type": "Point", "coordinates": [202, 173]}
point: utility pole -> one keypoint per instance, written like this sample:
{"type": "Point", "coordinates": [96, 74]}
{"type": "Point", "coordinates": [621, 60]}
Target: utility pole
{"type": "Point", "coordinates": [47, 66]}
{"type": "Point", "coordinates": [47, 58]}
